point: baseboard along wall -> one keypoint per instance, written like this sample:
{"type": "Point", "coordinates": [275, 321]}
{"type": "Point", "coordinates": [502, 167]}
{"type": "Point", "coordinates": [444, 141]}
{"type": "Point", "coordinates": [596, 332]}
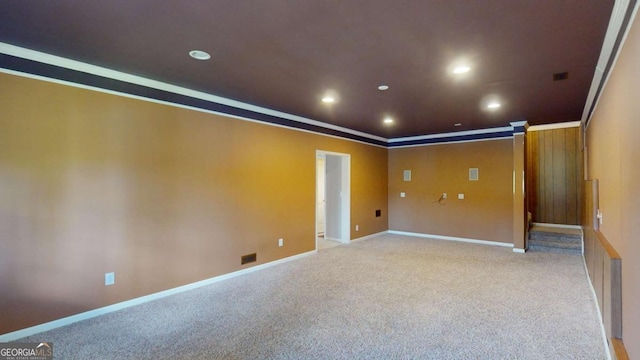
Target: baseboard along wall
{"type": "Point", "coordinates": [15, 335]}
{"type": "Point", "coordinates": [451, 238]}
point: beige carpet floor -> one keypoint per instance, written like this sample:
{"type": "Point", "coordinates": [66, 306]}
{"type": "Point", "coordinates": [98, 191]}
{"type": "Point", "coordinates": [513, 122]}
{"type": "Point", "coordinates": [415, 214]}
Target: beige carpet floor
{"type": "Point", "coordinates": [390, 297]}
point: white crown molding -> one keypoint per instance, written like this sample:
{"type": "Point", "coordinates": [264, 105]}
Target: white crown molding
{"type": "Point", "coordinates": [451, 134]}
{"type": "Point", "coordinates": [142, 81]}
{"type": "Point", "coordinates": [519, 123]}
{"type": "Point", "coordinates": [563, 125]}
{"type": "Point", "coordinates": [615, 26]}
{"type": "Point", "coordinates": [451, 142]}
{"type": "Point", "coordinates": [49, 59]}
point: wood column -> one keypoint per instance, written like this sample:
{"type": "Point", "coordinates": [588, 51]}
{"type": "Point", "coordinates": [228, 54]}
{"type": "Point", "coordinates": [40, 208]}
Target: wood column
{"type": "Point", "coordinates": [520, 219]}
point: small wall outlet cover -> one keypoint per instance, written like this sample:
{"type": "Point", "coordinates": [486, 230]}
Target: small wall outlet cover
{"type": "Point", "coordinates": [280, 242]}
{"type": "Point", "coordinates": [460, 196]}
{"type": "Point", "coordinates": [357, 227]}
{"type": "Point", "coordinates": [109, 279]}
{"type": "Point", "coordinates": [444, 195]}
{"type": "Point", "coordinates": [402, 194]}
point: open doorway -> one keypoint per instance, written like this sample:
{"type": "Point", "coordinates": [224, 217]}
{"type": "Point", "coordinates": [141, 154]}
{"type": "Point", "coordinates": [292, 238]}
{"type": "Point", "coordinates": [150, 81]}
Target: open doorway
{"type": "Point", "coordinates": [333, 198]}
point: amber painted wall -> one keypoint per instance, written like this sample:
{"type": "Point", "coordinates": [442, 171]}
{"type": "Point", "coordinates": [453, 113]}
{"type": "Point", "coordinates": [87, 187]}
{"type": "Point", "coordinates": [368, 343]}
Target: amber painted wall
{"type": "Point", "coordinates": [486, 213]}
{"type": "Point", "coordinates": [163, 196]}
{"type": "Point", "coordinates": [613, 153]}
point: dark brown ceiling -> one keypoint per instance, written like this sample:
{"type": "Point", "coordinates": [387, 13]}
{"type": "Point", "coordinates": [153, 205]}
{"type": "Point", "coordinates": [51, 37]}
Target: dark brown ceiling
{"type": "Point", "coordinates": [285, 55]}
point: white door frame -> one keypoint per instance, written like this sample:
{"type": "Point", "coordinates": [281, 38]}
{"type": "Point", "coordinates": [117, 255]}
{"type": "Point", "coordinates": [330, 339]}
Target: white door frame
{"type": "Point", "coordinates": [320, 195]}
{"type": "Point", "coordinates": [345, 185]}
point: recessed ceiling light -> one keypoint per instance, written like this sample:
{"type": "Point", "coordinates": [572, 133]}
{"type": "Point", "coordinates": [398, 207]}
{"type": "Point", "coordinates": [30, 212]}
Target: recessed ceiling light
{"type": "Point", "coordinates": [199, 55]}
{"type": "Point", "coordinates": [383, 87]}
{"type": "Point", "coordinates": [493, 105]}
{"type": "Point", "coordinates": [461, 69]}
{"type": "Point", "coordinates": [388, 120]}
{"type": "Point", "coordinates": [457, 124]}
{"type": "Point", "coordinates": [328, 99]}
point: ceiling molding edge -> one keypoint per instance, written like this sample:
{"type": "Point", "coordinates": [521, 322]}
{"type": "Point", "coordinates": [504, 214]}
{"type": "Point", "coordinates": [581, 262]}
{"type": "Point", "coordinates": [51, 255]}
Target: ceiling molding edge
{"type": "Point", "coordinates": [562, 125]}
{"type": "Point", "coordinates": [34, 64]}
{"type": "Point", "coordinates": [78, 66]}
{"type": "Point", "coordinates": [453, 137]}
{"type": "Point", "coordinates": [488, 138]}
{"type": "Point", "coordinates": [622, 17]}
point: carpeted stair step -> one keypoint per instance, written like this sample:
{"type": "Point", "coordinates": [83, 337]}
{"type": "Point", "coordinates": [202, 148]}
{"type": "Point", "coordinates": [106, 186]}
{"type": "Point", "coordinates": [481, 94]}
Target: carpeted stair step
{"type": "Point", "coordinates": [555, 236]}
{"type": "Point", "coordinates": [554, 249]}
{"type": "Point", "coordinates": [554, 239]}
{"type": "Point", "coordinates": [557, 244]}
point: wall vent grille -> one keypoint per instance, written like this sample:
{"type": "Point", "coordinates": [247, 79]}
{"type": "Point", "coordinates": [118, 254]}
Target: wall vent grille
{"type": "Point", "coordinates": [560, 76]}
{"type": "Point", "coordinates": [245, 259]}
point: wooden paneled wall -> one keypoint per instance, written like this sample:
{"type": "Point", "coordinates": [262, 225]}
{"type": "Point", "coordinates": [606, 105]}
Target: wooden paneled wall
{"type": "Point", "coordinates": [604, 265]}
{"type": "Point", "coordinates": [554, 175]}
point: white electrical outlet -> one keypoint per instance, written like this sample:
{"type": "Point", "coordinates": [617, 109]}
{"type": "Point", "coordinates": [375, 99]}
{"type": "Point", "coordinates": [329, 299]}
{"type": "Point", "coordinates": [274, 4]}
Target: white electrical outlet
{"type": "Point", "coordinates": [109, 279]}
{"type": "Point", "coordinates": [460, 196]}
{"type": "Point", "coordinates": [357, 227]}
{"type": "Point", "coordinates": [280, 242]}
{"type": "Point", "coordinates": [402, 194]}
{"type": "Point", "coordinates": [444, 195]}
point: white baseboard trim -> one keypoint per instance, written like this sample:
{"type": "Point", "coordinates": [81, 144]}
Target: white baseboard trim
{"type": "Point", "coordinates": [577, 227]}
{"type": "Point", "coordinates": [367, 237]}
{"type": "Point", "coordinates": [15, 335]}
{"type": "Point", "coordinates": [451, 238]}
{"type": "Point", "coordinates": [603, 332]}
{"type": "Point", "coordinates": [519, 251]}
